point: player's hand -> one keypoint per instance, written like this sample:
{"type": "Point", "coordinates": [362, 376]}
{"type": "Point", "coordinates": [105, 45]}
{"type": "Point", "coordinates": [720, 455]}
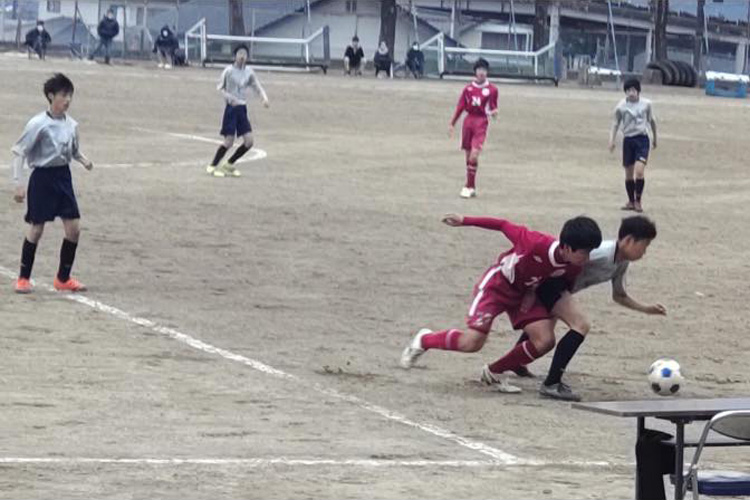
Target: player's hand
{"type": "Point", "coordinates": [20, 194]}
{"type": "Point", "coordinates": [266, 103]}
{"type": "Point", "coordinates": [88, 164]}
{"type": "Point", "coordinates": [611, 147]}
{"type": "Point", "coordinates": [453, 220]}
{"type": "Point", "coordinates": [657, 309]}
{"type": "Point", "coordinates": [451, 130]}
{"type": "Point", "coordinates": [494, 113]}
{"type": "Point", "coordinates": [654, 144]}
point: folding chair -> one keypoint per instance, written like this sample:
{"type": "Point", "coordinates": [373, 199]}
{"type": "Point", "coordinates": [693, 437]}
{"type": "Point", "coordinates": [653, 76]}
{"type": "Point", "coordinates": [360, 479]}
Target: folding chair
{"type": "Point", "coordinates": [733, 424]}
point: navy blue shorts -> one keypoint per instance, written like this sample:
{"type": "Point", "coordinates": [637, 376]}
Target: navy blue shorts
{"type": "Point", "coordinates": [50, 195]}
{"type": "Point", "coordinates": [550, 291]}
{"type": "Point", "coordinates": [235, 121]}
{"type": "Point", "coordinates": [635, 149]}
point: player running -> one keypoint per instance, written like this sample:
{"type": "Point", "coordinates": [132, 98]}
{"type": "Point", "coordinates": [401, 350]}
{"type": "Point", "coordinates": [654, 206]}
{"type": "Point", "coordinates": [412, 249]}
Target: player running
{"type": "Point", "coordinates": [479, 100]}
{"type": "Point", "coordinates": [635, 114]}
{"type": "Point", "coordinates": [533, 258]}
{"type": "Point", "coordinates": [233, 84]}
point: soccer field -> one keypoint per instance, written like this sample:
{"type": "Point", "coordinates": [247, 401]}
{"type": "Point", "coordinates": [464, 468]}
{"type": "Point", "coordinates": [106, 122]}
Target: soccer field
{"type": "Point", "coordinates": [241, 337]}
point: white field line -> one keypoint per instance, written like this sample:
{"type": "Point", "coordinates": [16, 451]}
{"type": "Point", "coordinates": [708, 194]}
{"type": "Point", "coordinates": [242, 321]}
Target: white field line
{"type": "Point", "coordinates": [252, 155]}
{"type": "Point", "coordinates": [278, 461]}
{"type": "Point", "coordinates": [199, 345]}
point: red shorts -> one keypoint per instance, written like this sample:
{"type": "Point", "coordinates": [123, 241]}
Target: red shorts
{"type": "Point", "coordinates": [493, 296]}
{"type": "Point", "coordinates": [474, 132]}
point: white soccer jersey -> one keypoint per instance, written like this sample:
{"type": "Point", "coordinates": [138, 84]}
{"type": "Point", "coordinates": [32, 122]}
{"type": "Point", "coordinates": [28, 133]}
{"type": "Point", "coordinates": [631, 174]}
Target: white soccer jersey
{"type": "Point", "coordinates": [234, 83]}
{"type": "Point", "coordinates": [602, 267]}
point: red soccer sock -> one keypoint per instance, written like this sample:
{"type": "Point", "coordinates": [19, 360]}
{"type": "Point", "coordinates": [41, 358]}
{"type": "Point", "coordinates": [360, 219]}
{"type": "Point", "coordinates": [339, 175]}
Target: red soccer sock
{"type": "Point", "coordinates": [522, 354]}
{"type": "Point", "coordinates": [447, 340]}
{"type": "Point", "coordinates": [471, 174]}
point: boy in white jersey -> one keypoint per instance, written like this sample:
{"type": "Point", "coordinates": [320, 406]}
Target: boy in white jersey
{"type": "Point", "coordinates": [234, 83]}
{"type": "Point", "coordinates": [48, 144]}
{"type": "Point", "coordinates": [635, 115]}
{"type": "Point", "coordinates": [609, 262]}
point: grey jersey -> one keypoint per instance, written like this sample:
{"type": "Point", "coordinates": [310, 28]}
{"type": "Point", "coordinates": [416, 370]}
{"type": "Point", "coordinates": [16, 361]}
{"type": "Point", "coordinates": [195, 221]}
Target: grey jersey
{"type": "Point", "coordinates": [602, 267]}
{"type": "Point", "coordinates": [48, 142]}
{"type": "Point", "coordinates": [634, 117]}
{"type": "Point", "coordinates": [235, 82]}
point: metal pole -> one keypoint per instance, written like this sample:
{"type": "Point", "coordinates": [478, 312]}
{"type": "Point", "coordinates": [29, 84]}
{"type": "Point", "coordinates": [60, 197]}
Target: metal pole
{"type": "Point", "coordinates": [614, 40]}
{"type": "Point", "coordinates": [453, 18]}
{"type": "Point", "coordinates": [747, 56]}
{"type": "Point", "coordinates": [513, 24]}
{"type": "Point", "coordinates": [2, 21]}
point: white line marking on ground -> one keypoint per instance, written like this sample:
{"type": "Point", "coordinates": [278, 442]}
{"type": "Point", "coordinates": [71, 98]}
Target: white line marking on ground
{"type": "Point", "coordinates": [282, 461]}
{"type": "Point", "coordinates": [197, 344]}
{"type": "Point", "coordinates": [252, 155]}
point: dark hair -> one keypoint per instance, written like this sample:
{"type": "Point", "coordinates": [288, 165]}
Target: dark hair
{"type": "Point", "coordinates": [355, 38]}
{"type": "Point", "coordinates": [241, 46]}
{"type": "Point", "coordinates": [481, 63]}
{"type": "Point", "coordinates": [637, 226]}
{"type": "Point", "coordinates": [632, 83]}
{"type": "Point", "coordinates": [581, 233]}
{"type": "Point", "coordinates": [58, 83]}
{"type": "Point", "coordinates": [40, 23]}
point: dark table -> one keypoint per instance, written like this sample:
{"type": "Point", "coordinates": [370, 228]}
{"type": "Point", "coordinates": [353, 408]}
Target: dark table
{"type": "Point", "coordinates": [677, 411]}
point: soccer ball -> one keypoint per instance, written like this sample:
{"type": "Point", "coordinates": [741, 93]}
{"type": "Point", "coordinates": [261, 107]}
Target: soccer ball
{"type": "Point", "coordinates": [665, 377]}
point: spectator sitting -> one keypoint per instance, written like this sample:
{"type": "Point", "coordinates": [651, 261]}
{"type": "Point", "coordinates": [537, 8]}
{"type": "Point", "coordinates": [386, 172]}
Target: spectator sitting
{"type": "Point", "coordinates": [37, 40]}
{"type": "Point", "coordinates": [415, 61]}
{"type": "Point", "coordinates": [354, 58]}
{"type": "Point", "coordinates": [107, 30]}
{"type": "Point", "coordinates": [165, 47]}
{"type": "Point", "coordinates": [382, 60]}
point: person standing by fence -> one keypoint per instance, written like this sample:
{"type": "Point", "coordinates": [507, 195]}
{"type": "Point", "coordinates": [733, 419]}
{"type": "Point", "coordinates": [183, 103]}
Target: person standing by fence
{"type": "Point", "coordinates": [107, 30]}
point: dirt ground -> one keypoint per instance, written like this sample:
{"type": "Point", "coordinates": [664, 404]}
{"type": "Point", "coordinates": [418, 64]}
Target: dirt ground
{"type": "Point", "coordinates": [280, 302]}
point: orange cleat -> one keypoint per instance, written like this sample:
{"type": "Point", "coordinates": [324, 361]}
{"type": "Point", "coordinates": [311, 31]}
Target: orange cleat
{"type": "Point", "coordinates": [72, 285]}
{"type": "Point", "coordinates": [23, 285]}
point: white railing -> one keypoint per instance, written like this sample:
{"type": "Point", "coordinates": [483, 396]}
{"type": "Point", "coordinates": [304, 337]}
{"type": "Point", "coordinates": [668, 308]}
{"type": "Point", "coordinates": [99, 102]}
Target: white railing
{"type": "Point", "coordinates": [196, 31]}
{"type": "Point", "coordinates": [199, 31]}
{"type": "Point", "coordinates": [439, 41]}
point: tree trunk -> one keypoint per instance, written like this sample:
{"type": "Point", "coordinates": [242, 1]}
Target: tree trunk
{"type": "Point", "coordinates": [388, 15]}
{"type": "Point", "coordinates": [236, 18]}
{"type": "Point", "coordinates": [540, 24]}
{"type": "Point", "coordinates": [661, 18]}
{"type": "Point", "coordinates": [698, 46]}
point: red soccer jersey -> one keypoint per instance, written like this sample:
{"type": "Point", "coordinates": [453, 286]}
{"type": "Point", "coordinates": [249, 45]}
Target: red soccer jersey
{"type": "Point", "coordinates": [477, 100]}
{"type": "Point", "coordinates": [533, 257]}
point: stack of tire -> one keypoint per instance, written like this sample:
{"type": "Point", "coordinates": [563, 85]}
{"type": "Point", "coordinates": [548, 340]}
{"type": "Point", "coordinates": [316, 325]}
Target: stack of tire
{"type": "Point", "coordinates": [675, 73]}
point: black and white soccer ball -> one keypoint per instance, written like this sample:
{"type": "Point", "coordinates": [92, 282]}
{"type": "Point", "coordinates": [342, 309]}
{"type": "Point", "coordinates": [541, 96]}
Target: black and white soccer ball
{"type": "Point", "coordinates": [665, 377]}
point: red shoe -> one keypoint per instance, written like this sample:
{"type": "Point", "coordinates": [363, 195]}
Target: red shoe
{"type": "Point", "coordinates": [23, 285]}
{"type": "Point", "coordinates": [72, 285]}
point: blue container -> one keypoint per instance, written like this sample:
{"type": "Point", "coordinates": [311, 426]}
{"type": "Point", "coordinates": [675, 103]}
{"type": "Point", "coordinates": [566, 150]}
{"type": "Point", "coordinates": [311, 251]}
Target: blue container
{"type": "Point", "coordinates": [721, 88]}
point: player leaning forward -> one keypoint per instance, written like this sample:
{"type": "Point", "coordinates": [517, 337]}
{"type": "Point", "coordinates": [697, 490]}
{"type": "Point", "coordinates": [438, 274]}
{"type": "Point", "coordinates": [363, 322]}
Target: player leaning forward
{"type": "Point", "coordinates": [534, 258]}
{"type": "Point", "coordinates": [48, 144]}
{"type": "Point", "coordinates": [235, 81]}
{"type": "Point", "coordinates": [479, 100]}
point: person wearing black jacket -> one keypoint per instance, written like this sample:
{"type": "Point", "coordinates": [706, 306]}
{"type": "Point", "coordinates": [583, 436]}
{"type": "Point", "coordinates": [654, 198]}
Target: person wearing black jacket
{"type": "Point", "coordinates": [108, 29]}
{"type": "Point", "coordinates": [415, 61]}
{"type": "Point", "coordinates": [165, 47]}
{"type": "Point", "coordinates": [37, 40]}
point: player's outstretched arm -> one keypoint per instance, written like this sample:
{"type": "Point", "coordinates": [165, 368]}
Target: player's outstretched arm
{"type": "Point", "coordinates": [510, 230]}
{"type": "Point", "coordinates": [626, 301]}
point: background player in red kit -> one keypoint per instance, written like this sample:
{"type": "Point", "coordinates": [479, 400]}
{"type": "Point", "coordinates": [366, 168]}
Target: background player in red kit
{"type": "Point", "coordinates": [479, 100]}
{"type": "Point", "coordinates": [534, 258]}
